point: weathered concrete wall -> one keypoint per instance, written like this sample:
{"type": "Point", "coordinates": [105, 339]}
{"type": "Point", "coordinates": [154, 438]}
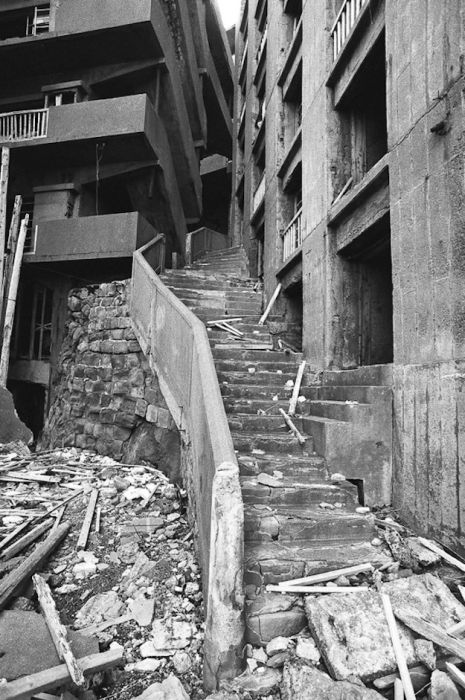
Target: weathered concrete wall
{"type": "Point", "coordinates": [105, 397]}
{"type": "Point", "coordinates": [425, 49]}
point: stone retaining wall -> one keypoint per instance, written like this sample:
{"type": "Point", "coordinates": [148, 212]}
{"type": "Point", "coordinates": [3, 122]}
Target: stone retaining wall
{"type": "Point", "coordinates": [105, 396]}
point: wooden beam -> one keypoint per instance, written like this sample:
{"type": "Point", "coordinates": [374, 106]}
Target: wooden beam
{"type": "Point", "coordinates": [398, 690]}
{"type": "Point", "coordinates": [276, 294]}
{"type": "Point", "coordinates": [4, 171]}
{"type": "Point", "coordinates": [398, 650]}
{"type": "Point", "coordinates": [87, 524]}
{"type": "Point", "coordinates": [447, 557]}
{"type": "Point", "coordinates": [292, 427]}
{"type": "Point", "coordinates": [10, 585]}
{"type": "Point", "coordinates": [328, 575]}
{"type": "Point", "coordinates": [55, 677]}
{"type": "Point", "coordinates": [296, 389]}
{"type": "Point", "coordinates": [25, 541]}
{"type": "Point", "coordinates": [456, 674]}
{"type": "Point", "coordinates": [57, 631]}
{"type": "Point", "coordinates": [310, 590]}
{"type": "Point", "coordinates": [432, 632]}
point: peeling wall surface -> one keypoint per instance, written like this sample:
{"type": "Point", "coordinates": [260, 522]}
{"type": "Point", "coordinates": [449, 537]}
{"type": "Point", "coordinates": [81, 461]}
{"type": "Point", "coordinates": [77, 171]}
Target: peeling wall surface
{"type": "Point", "coordinates": [105, 397]}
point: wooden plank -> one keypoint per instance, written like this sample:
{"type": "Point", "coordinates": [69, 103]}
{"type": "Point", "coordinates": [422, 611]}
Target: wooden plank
{"type": "Point", "coordinates": [13, 535]}
{"type": "Point", "coordinates": [98, 515]}
{"type": "Point", "coordinates": [4, 171]}
{"type": "Point", "coordinates": [458, 628]}
{"type": "Point", "coordinates": [432, 632]}
{"type": "Point", "coordinates": [276, 294]}
{"type": "Point", "coordinates": [23, 688]}
{"type": "Point", "coordinates": [86, 525]}
{"type": "Point", "coordinates": [456, 674]}
{"type": "Point", "coordinates": [292, 427]}
{"type": "Point", "coordinates": [398, 650]}
{"type": "Point", "coordinates": [398, 690]}
{"type": "Point", "coordinates": [328, 575]}
{"type": "Point", "coordinates": [57, 631]}
{"type": "Point", "coordinates": [14, 580]}
{"type": "Point", "coordinates": [25, 541]}
{"type": "Point", "coordinates": [33, 478]}
{"type": "Point", "coordinates": [58, 506]}
{"type": "Point", "coordinates": [296, 389]}
{"type": "Point", "coordinates": [309, 590]}
{"type": "Point", "coordinates": [447, 557]}
{"type": "Point", "coordinates": [95, 629]}
{"type": "Point", "coordinates": [11, 248]}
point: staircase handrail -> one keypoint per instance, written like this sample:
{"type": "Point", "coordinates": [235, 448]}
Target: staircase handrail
{"type": "Point", "coordinates": [178, 349]}
{"type": "Point", "coordinates": [203, 240]}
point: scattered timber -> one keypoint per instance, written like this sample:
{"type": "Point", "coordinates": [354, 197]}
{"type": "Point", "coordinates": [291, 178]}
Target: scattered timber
{"type": "Point", "coordinates": [328, 575]}
{"type": "Point", "coordinates": [437, 550]}
{"type": "Point", "coordinates": [25, 541]}
{"type": "Point", "coordinates": [456, 674]}
{"type": "Point", "coordinates": [292, 427]}
{"type": "Point", "coordinates": [432, 632]}
{"type": "Point", "coordinates": [4, 172]}
{"type": "Point", "coordinates": [86, 525]}
{"type": "Point", "coordinates": [57, 631]}
{"type": "Point", "coordinates": [14, 580]}
{"type": "Point", "coordinates": [23, 688]}
{"type": "Point", "coordinates": [310, 590]}
{"type": "Point", "coordinates": [296, 389]}
{"type": "Point", "coordinates": [398, 651]}
{"type": "Point", "coordinates": [398, 690]}
{"type": "Point", "coordinates": [271, 303]}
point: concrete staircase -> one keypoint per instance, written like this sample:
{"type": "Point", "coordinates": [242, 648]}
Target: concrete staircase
{"type": "Point", "coordinates": [297, 521]}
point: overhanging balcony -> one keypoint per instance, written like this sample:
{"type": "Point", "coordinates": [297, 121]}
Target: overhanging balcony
{"type": "Point", "coordinates": [86, 33]}
{"type": "Point", "coordinates": [89, 238]}
{"type": "Point", "coordinates": [68, 133]}
{"type": "Point", "coordinates": [292, 236]}
{"type": "Point", "coordinates": [259, 196]}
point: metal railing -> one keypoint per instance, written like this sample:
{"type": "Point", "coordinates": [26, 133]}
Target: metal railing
{"type": "Point", "coordinates": [39, 23]}
{"type": "Point", "coordinates": [259, 194]}
{"type": "Point", "coordinates": [292, 236]}
{"type": "Point", "coordinates": [24, 125]}
{"type": "Point", "coordinates": [203, 240]}
{"type": "Point", "coordinates": [177, 346]}
{"type": "Point", "coordinates": [345, 21]}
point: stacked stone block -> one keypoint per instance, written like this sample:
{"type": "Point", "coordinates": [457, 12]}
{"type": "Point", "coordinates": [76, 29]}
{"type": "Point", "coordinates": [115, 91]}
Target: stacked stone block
{"type": "Point", "coordinates": [105, 394]}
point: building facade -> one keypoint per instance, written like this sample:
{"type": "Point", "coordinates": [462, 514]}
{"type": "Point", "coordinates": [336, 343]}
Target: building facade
{"type": "Point", "coordinates": [349, 191]}
{"type": "Point", "coordinates": [118, 117]}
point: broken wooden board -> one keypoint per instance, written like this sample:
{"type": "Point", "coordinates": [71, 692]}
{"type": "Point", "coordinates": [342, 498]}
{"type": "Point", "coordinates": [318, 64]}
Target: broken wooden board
{"type": "Point", "coordinates": [55, 677]}
{"type": "Point", "coordinates": [352, 633]}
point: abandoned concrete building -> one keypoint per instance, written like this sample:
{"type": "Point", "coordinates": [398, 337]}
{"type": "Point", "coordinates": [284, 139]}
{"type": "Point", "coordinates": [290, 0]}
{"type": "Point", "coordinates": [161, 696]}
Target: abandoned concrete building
{"type": "Point", "coordinates": [118, 117]}
{"type": "Point", "coordinates": [291, 324]}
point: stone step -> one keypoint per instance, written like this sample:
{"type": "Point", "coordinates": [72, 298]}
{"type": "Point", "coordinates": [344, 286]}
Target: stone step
{"type": "Point", "coordinates": [233, 294]}
{"type": "Point", "coordinates": [253, 356]}
{"type": "Point", "coordinates": [306, 469]}
{"type": "Point", "coordinates": [239, 366]}
{"type": "Point", "coordinates": [306, 525]}
{"type": "Point", "coordinates": [190, 280]}
{"type": "Point", "coordinates": [248, 442]}
{"type": "Point", "coordinates": [325, 431]}
{"type": "Point", "coordinates": [293, 493]}
{"type": "Point", "coordinates": [257, 406]}
{"type": "Point", "coordinates": [221, 305]}
{"type": "Point", "coordinates": [337, 410]}
{"type": "Point", "coordinates": [270, 615]}
{"type": "Point", "coordinates": [361, 394]}
{"type": "Point", "coordinates": [261, 423]}
{"type": "Point", "coordinates": [372, 375]}
{"type": "Point", "coordinates": [243, 392]}
{"type": "Point", "coordinates": [223, 252]}
{"type": "Point", "coordinates": [265, 378]}
{"type": "Point", "coordinates": [212, 313]}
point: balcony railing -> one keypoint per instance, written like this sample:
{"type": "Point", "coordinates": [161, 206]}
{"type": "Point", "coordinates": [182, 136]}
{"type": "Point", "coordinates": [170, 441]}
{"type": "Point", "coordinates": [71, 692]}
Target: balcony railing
{"type": "Point", "coordinates": [24, 125]}
{"type": "Point", "coordinates": [259, 194]}
{"type": "Point", "coordinates": [292, 236]}
{"type": "Point", "coordinates": [345, 21]}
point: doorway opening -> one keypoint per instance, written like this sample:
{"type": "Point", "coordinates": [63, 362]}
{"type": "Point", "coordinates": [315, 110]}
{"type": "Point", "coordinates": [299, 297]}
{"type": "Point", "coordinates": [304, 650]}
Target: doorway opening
{"type": "Point", "coordinates": [30, 403]}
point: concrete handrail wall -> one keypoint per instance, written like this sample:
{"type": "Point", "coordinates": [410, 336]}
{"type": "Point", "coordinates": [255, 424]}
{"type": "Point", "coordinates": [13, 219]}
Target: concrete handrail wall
{"type": "Point", "coordinates": [177, 346]}
{"type": "Point", "coordinates": [203, 240]}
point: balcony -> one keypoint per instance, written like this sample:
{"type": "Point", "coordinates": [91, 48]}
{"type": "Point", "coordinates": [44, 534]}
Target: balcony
{"type": "Point", "coordinates": [345, 21]}
{"type": "Point", "coordinates": [261, 47]}
{"type": "Point", "coordinates": [292, 62]}
{"type": "Point", "coordinates": [259, 196]}
{"type": "Point", "coordinates": [68, 133]}
{"type": "Point", "coordinates": [82, 34]}
{"type": "Point", "coordinates": [292, 236]}
{"type": "Point", "coordinates": [89, 237]}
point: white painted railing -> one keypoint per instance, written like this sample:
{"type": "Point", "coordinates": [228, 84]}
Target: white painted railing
{"type": "Point", "coordinates": [259, 194]}
{"type": "Point", "coordinates": [21, 126]}
{"type": "Point", "coordinates": [345, 21]}
{"type": "Point", "coordinates": [292, 236]}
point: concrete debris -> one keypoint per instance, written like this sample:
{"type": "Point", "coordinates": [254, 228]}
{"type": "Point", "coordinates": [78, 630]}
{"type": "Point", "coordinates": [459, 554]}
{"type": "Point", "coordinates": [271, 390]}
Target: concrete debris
{"type": "Point", "coordinates": [308, 683]}
{"type": "Point", "coordinates": [277, 645]}
{"type": "Point", "coordinates": [140, 563]}
{"type": "Point", "coordinates": [424, 651]}
{"type": "Point", "coordinates": [261, 682]}
{"type": "Point", "coordinates": [442, 687]}
{"type": "Point", "coordinates": [307, 650]}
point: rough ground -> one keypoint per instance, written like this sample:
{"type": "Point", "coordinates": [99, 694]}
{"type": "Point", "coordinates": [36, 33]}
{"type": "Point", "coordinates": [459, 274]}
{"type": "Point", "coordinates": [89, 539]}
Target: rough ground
{"type": "Point", "coordinates": [139, 569]}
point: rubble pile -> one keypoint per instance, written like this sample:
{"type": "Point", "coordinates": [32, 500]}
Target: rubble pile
{"type": "Point", "coordinates": [122, 574]}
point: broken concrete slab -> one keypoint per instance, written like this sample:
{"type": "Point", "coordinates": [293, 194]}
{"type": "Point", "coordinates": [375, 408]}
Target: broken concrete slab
{"type": "Point", "coordinates": [22, 654]}
{"type": "Point", "coordinates": [169, 689]}
{"type": "Point", "coordinates": [269, 616]}
{"type": "Point", "coordinates": [11, 427]}
{"type": "Point", "coordinates": [262, 681]}
{"type": "Point", "coordinates": [306, 683]}
{"type": "Point", "coordinates": [352, 634]}
{"type": "Point", "coordinates": [100, 607]}
{"type": "Point", "coordinates": [442, 687]}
